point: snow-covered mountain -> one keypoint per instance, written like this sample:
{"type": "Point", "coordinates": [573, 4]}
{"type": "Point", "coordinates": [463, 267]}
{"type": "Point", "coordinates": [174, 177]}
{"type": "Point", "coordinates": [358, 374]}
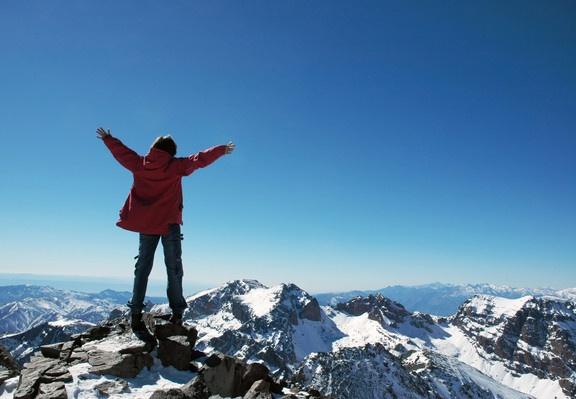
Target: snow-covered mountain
{"type": "Point", "coordinates": [278, 325]}
{"type": "Point", "coordinates": [374, 347]}
{"type": "Point", "coordinates": [22, 345]}
{"type": "Point", "coordinates": [24, 306]}
{"type": "Point", "coordinates": [444, 299]}
{"type": "Point", "coordinates": [285, 327]}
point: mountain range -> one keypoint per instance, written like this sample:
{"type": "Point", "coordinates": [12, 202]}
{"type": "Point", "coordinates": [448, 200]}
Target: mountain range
{"type": "Point", "coordinates": [444, 299]}
{"type": "Point", "coordinates": [23, 307]}
{"type": "Point", "coordinates": [372, 346]}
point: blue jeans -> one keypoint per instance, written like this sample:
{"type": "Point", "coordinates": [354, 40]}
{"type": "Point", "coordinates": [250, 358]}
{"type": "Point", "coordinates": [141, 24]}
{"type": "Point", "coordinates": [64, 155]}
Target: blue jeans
{"type": "Point", "coordinates": [173, 259]}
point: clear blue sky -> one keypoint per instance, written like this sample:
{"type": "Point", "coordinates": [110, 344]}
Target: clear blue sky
{"type": "Point", "coordinates": [378, 142]}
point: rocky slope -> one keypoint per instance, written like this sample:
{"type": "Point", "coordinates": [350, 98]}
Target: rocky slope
{"type": "Point", "coordinates": [527, 336]}
{"type": "Point", "coordinates": [109, 360]}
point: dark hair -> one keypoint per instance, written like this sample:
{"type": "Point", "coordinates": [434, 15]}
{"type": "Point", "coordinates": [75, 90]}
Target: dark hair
{"type": "Point", "coordinates": [165, 143]}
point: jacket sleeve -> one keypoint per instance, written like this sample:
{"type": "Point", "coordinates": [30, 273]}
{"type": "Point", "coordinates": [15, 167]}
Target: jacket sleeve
{"type": "Point", "coordinates": [201, 159]}
{"type": "Point", "coordinates": [124, 155]}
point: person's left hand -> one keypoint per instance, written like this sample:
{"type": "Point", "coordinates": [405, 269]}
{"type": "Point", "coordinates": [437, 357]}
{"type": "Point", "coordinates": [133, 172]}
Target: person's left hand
{"type": "Point", "coordinates": [102, 134]}
{"type": "Point", "coordinates": [230, 147]}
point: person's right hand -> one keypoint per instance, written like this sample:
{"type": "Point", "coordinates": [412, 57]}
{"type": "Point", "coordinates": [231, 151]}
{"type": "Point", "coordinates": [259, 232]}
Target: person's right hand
{"type": "Point", "coordinates": [102, 134]}
{"type": "Point", "coordinates": [230, 147]}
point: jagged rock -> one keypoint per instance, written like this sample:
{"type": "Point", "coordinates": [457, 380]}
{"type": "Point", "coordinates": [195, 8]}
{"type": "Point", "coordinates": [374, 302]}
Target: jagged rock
{"type": "Point", "coordinates": [311, 311]}
{"type": "Point", "coordinates": [68, 348]}
{"type": "Point", "coordinates": [52, 351]}
{"type": "Point", "coordinates": [29, 381]}
{"type": "Point", "coordinates": [175, 351]}
{"type": "Point", "coordinates": [135, 347]}
{"type": "Point", "coordinates": [531, 337]}
{"type": "Point", "coordinates": [225, 378]}
{"type": "Point", "coordinates": [115, 387]}
{"type": "Point", "coordinates": [379, 308]}
{"type": "Point", "coordinates": [77, 356]}
{"type": "Point", "coordinates": [259, 390]}
{"type": "Point", "coordinates": [253, 373]}
{"type": "Point", "coordinates": [54, 390]}
{"type": "Point", "coordinates": [127, 366]}
{"type": "Point", "coordinates": [97, 332]}
{"type": "Point", "coordinates": [56, 373]}
{"type": "Point", "coordinates": [196, 388]}
{"type": "Point", "coordinates": [164, 330]}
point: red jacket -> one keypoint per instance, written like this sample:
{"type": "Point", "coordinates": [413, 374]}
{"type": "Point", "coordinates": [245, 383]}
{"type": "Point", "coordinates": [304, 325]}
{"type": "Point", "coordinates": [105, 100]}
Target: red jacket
{"type": "Point", "coordinates": [155, 200]}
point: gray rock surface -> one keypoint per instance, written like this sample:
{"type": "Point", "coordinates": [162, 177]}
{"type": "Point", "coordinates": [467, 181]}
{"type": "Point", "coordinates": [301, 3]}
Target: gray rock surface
{"type": "Point", "coordinates": [127, 366]}
{"type": "Point", "coordinates": [226, 377]}
{"type": "Point", "coordinates": [115, 387]}
{"type": "Point", "coordinates": [175, 351]}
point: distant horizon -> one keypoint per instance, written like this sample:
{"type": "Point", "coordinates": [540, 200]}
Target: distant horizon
{"type": "Point", "coordinates": [157, 286]}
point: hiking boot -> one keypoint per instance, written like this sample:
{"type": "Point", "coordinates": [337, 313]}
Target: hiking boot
{"type": "Point", "coordinates": [137, 324]}
{"type": "Point", "coordinates": [176, 318]}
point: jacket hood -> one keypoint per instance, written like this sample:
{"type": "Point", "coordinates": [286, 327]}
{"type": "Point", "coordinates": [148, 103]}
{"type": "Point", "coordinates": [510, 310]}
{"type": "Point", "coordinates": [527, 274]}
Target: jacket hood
{"type": "Point", "coordinates": [157, 158]}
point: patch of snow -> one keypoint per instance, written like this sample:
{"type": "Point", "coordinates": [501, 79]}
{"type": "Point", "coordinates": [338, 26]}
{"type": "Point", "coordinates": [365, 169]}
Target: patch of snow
{"type": "Point", "coordinates": [141, 386]}
{"type": "Point", "coordinates": [313, 336]}
{"type": "Point", "coordinates": [360, 330]}
{"type": "Point", "coordinates": [261, 300]}
{"type": "Point", "coordinates": [498, 306]}
{"type": "Point", "coordinates": [68, 322]}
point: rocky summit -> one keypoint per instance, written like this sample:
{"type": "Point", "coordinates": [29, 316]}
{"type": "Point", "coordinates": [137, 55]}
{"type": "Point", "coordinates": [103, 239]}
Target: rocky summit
{"type": "Point", "coordinates": [109, 360]}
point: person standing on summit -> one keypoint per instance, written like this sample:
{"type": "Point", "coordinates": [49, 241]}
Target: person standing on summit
{"type": "Point", "coordinates": [154, 209]}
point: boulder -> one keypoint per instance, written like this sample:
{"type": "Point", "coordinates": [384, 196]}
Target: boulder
{"type": "Point", "coordinates": [253, 373]}
{"type": "Point", "coordinates": [225, 378]}
{"type": "Point", "coordinates": [175, 351]}
{"type": "Point", "coordinates": [77, 356]}
{"type": "Point", "coordinates": [97, 332]}
{"type": "Point", "coordinates": [163, 330]}
{"type": "Point", "coordinates": [52, 351]}
{"type": "Point", "coordinates": [127, 366]}
{"type": "Point", "coordinates": [54, 390]}
{"type": "Point", "coordinates": [29, 381]}
{"type": "Point", "coordinates": [135, 347]}
{"type": "Point", "coordinates": [196, 388]}
{"type": "Point", "coordinates": [57, 373]}
{"type": "Point", "coordinates": [68, 348]}
{"type": "Point", "coordinates": [115, 387]}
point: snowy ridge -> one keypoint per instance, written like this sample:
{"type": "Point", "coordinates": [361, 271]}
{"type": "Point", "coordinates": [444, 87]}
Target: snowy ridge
{"type": "Point", "coordinates": [445, 299]}
{"type": "Point", "coordinates": [374, 347]}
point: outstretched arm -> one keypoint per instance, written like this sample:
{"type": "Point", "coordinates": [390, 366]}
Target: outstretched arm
{"type": "Point", "coordinates": [205, 158]}
{"type": "Point", "coordinates": [124, 155]}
